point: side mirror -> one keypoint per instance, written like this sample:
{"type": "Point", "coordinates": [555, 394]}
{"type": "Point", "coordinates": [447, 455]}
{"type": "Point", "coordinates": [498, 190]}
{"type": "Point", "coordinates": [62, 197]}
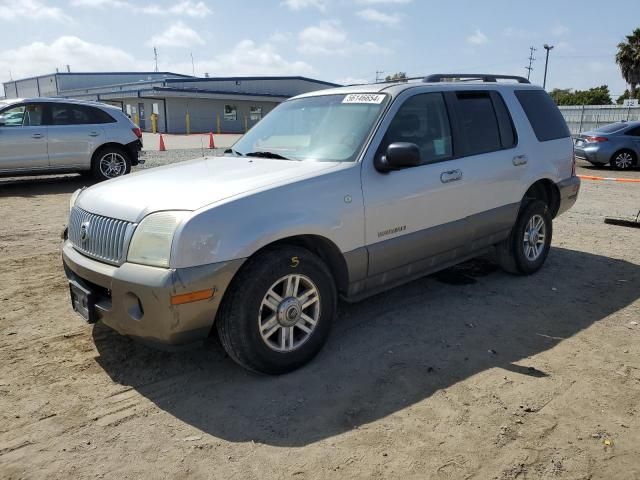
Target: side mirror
{"type": "Point", "coordinates": [399, 155]}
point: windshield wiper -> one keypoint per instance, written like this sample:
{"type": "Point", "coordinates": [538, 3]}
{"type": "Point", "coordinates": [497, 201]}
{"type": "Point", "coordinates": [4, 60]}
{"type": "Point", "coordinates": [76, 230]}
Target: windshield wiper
{"type": "Point", "coordinates": [266, 155]}
{"type": "Point", "coordinates": [234, 152]}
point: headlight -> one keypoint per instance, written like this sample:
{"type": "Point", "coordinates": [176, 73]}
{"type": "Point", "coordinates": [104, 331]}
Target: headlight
{"type": "Point", "coordinates": [74, 197]}
{"type": "Point", "coordinates": [151, 242]}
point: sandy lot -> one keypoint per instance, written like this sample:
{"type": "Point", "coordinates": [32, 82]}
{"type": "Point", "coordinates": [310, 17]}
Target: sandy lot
{"type": "Point", "coordinates": [468, 374]}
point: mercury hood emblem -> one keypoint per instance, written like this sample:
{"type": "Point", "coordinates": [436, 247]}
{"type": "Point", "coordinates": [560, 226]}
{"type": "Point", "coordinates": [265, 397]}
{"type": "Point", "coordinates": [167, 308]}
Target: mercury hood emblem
{"type": "Point", "coordinates": [84, 232]}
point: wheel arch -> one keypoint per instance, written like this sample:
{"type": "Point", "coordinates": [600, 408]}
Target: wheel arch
{"type": "Point", "coordinates": [104, 146]}
{"type": "Point", "coordinates": [545, 190]}
{"type": "Point", "coordinates": [625, 149]}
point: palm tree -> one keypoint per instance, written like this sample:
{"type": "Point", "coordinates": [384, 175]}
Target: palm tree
{"type": "Point", "coordinates": [628, 58]}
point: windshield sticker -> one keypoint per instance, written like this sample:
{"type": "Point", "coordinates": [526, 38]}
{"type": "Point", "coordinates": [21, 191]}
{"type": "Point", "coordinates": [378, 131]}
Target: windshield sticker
{"type": "Point", "coordinates": [364, 98]}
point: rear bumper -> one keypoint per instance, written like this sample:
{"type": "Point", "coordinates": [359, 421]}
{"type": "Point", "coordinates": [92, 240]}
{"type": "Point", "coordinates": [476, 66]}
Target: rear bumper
{"type": "Point", "coordinates": [596, 154]}
{"type": "Point", "coordinates": [569, 189]}
{"type": "Point", "coordinates": [135, 300]}
{"type": "Point", "coordinates": [134, 149]}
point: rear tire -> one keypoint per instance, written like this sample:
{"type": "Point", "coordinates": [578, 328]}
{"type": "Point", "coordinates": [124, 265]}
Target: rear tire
{"type": "Point", "coordinates": [623, 160]}
{"type": "Point", "coordinates": [110, 162]}
{"type": "Point", "coordinates": [278, 311]}
{"type": "Point", "coordinates": [526, 249]}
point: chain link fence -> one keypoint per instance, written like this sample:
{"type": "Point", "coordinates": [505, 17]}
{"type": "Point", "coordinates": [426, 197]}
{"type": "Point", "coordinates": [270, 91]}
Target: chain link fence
{"type": "Point", "coordinates": [582, 118]}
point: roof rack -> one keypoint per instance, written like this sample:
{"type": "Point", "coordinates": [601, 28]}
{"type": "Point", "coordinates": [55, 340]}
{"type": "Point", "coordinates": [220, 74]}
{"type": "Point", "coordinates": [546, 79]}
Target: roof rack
{"type": "Point", "coordinates": [485, 77]}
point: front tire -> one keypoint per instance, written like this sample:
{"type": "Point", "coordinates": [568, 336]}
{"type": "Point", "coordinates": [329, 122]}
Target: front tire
{"type": "Point", "coordinates": [526, 249]}
{"type": "Point", "coordinates": [278, 311]}
{"type": "Point", "coordinates": [110, 162]}
{"type": "Point", "coordinates": [623, 160]}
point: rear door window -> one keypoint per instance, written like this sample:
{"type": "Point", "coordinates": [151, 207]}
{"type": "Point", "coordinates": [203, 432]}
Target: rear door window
{"type": "Point", "coordinates": [634, 132]}
{"type": "Point", "coordinates": [477, 123]}
{"type": "Point", "coordinates": [543, 114]}
{"type": "Point", "coordinates": [67, 114]}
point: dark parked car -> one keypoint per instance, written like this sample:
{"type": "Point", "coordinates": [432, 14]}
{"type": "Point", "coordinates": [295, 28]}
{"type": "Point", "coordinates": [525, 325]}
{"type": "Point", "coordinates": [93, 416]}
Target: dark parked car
{"type": "Point", "coordinates": [617, 144]}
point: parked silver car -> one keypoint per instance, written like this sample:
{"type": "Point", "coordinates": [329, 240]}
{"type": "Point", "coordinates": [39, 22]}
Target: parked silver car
{"type": "Point", "coordinates": [54, 135]}
{"type": "Point", "coordinates": [342, 192]}
{"type": "Point", "coordinates": [616, 144]}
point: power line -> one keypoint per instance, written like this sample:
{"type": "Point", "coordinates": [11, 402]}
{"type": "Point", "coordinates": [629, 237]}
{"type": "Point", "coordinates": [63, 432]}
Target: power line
{"type": "Point", "coordinates": [531, 59]}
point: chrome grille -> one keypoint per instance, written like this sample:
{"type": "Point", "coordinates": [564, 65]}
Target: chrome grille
{"type": "Point", "coordinates": [105, 238]}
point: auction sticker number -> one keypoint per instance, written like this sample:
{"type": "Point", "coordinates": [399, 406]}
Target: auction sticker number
{"type": "Point", "coordinates": [363, 98]}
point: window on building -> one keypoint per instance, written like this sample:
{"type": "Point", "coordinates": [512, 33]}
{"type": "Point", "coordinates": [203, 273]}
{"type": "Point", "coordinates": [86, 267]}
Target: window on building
{"type": "Point", "coordinates": [255, 113]}
{"type": "Point", "coordinates": [230, 112]}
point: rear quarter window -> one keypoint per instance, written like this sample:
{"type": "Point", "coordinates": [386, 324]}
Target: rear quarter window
{"type": "Point", "coordinates": [543, 114]}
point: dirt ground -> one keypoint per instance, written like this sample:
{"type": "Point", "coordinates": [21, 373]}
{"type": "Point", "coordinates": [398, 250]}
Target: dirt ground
{"type": "Point", "coordinates": [468, 374]}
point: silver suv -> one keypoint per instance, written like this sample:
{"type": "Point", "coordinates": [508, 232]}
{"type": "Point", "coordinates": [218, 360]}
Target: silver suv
{"type": "Point", "coordinates": [52, 135]}
{"type": "Point", "coordinates": [345, 192]}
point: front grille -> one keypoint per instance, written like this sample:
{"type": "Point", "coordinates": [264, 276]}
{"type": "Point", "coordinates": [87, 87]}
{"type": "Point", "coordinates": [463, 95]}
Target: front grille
{"type": "Point", "coordinates": [99, 237]}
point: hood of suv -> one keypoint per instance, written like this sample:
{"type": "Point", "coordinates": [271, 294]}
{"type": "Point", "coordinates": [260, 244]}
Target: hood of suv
{"type": "Point", "coordinates": [191, 185]}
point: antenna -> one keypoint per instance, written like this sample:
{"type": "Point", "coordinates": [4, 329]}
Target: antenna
{"type": "Point", "coordinates": [531, 59]}
{"type": "Point", "coordinates": [155, 58]}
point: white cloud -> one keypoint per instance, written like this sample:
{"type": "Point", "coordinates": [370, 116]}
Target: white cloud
{"type": "Point", "coordinates": [248, 58]}
{"type": "Point", "coordinates": [559, 30]}
{"type": "Point", "coordinates": [29, 9]}
{"type": "Point", "coordinates": [351, 81]}
{"type": "Point", "coordinates": [279, 37]}
{"type": "Point", "coordinates": [327, 38]}
{"type": "Point", "coordinates": [478, 38]}
{"type": "Point", "coordinates": [177, 35]}
{"type": "Point", "coordinates": [381, 2]}
{"type": "Point", "coordinates": [302, 4]}
{"type": "Point", "coordinates": [373, 15]}
{"type": "Point", "coordinates": [40, 58]}
{"type": "Point", "coordinates": [187, 8]}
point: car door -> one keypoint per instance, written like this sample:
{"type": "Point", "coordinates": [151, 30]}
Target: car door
{"type": "Point", "coordinates": [73, 135]}
{"type": "Point", "coordinates": [494, 163]}
{"type": "Point", "coordinates": [23, 138]}
{"type": "Point", "coordinates": [414, 217]}
{"type": "Point", "coordinates": [633, 135]}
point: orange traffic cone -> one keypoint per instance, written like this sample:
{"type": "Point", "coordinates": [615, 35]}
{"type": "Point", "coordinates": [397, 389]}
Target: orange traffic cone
{"type": "Point", "coordinates": [212, 144]}
{"type": "Point", "coordinates": [162, 147]}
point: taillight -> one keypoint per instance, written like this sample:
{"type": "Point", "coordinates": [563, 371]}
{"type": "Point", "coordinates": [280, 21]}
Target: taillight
{"type": "Point", "coordinates": [137, 132]}
{"type": "Point", "coordinates": [596, 139]}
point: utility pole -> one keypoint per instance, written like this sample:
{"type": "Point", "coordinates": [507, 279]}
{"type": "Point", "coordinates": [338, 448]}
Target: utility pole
{"type": "Point", "coordinates": [531, 59]}
{"type": "Point", "coordinates": [379, 75]}
{"type": "Point", "coordinates": [193, 66]}
{"type": "Point", "coordinates": [155, 57]}
{"type": "Point", "coordinates": [548, 48]}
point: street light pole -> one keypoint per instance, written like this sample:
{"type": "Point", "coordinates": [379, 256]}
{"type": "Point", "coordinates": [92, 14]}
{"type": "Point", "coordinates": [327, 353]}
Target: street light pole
{"type": "Point", "coordinates": [548, 48]}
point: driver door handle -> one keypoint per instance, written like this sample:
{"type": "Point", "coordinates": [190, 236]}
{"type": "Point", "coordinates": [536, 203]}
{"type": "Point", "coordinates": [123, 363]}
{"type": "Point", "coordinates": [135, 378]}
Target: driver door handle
{"type": "Point", "coordinates": [520, 160]}
{"type": "Point", "coordinates": [94, 134]}
{"type": "Point", "coordinates": [451, 176]}
{"type": "Point", "coordinates": [37, 135]}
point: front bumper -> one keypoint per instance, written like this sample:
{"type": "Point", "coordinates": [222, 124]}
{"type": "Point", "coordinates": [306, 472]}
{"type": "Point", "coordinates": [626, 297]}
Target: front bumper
{"type": "Point", "coordinates": [135, 300]}
{"type": "Point", "coordinates": [569, 189]}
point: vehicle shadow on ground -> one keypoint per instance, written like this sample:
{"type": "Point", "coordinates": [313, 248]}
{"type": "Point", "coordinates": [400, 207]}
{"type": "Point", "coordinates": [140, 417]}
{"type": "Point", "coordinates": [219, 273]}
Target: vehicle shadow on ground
{"type": "Point", "coordinates": [385, 353]}
{"type": "Point", "coordinates": [49, 185]}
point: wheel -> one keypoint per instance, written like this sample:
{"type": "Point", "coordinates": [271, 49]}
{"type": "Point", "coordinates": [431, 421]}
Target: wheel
{"type": "Point", "coordinates": [110, 162]}
{"type": "Point", "coordinates": [623, 160]}
{"type": "Point", "coordinates": [527, 247]}
{"type": "Point", "coordinates": [278, 310]}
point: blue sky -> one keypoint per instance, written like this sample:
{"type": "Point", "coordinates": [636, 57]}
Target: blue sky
{"type": "Point", "coordinates": [343, 41]}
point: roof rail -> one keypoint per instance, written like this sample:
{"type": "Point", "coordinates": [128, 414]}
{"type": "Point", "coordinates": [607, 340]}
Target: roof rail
{"type": "Point", "coordinates": [485, 77]}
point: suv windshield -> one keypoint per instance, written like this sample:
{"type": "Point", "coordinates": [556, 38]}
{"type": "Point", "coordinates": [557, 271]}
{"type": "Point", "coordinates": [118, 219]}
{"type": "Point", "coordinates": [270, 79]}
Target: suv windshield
{"type": "Point", "coordinates": [326, 128]}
